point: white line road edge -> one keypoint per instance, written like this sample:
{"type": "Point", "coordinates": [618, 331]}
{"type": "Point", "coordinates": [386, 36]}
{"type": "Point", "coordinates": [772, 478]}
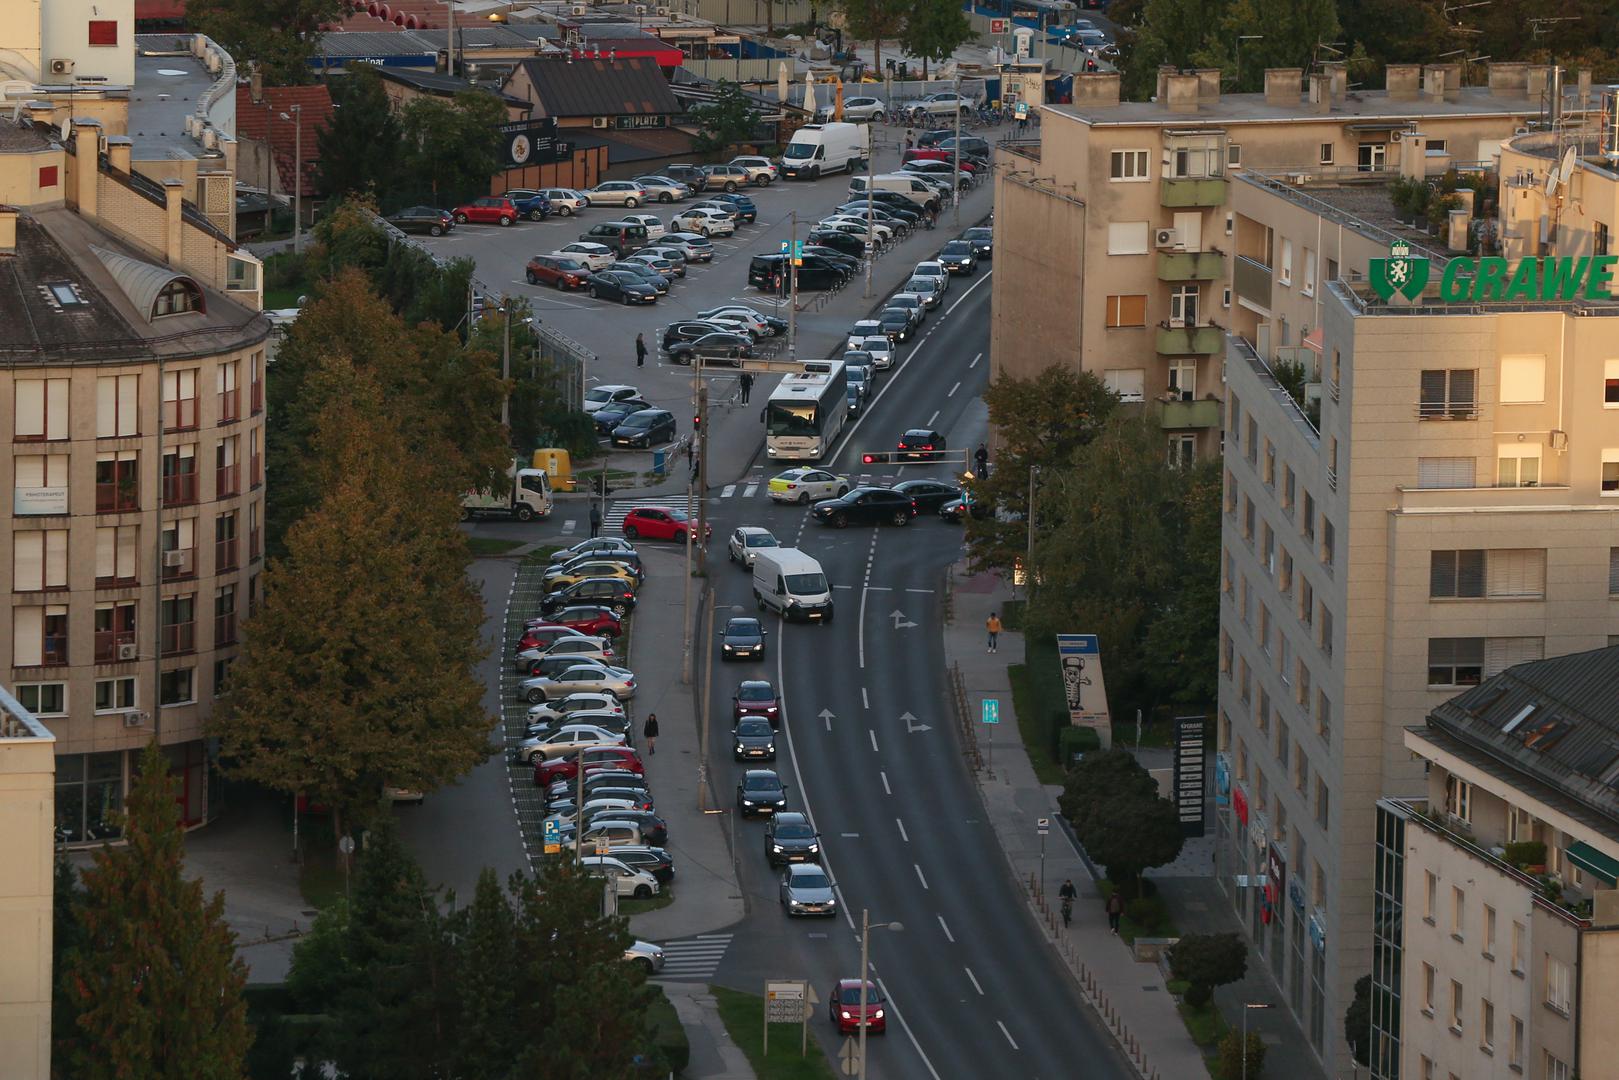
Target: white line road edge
{"type": "Point", "coordinates": [946, 929]}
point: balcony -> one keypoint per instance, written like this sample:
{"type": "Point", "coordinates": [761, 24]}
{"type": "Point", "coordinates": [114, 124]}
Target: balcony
{"type": "Point", "coordinates": [256, 396]}
{"type": "Point", "coordinates": [225, 629]}
{"type": "Point", "coordinates": [228, 480]}
{"type": "Point", "coordinates": [179, 563]}
{"type": "Point", "coordinates": [179, 638]}
{"type": "Point", "coordinates": [1189, 414]}
{"type": "Point", "coordinates": [1185, 191]}
{"type": "Point", "coordinates": [1190, 340]}
{"type": "Point", "coordinates": [1190, 266]}
{"type": "Point", "coordinates": [1251, 280]}
{"type": "Point", "coordinates": [118, 495]}
{"type": "Point", "coordinates": [180, 415]}
{"type": "Point", "coordinates": [1481, 498]}
{"type": "Point", "coordinates": [225, 554]}
{"type": "Point", "coordinates": [179, 489]}
{"type": "Point", "coordinates": [230, 406]}
{"type": "Point", "coordinates": [108, 643]}
{"type": "Point", "coordinates": [54, 651]}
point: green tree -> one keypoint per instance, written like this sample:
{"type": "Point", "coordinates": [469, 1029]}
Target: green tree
{"type": "Point", "coordinates": [1133, 833]}
{"type": "Point", "coordinates": [1234, 1064]}
{"type": "Point", "coordinates": [491, 1043]}
{"type": "Point", "coordinates": [152, 972]}
{"type": "Point", "coordinates": [452, 148]}
{"type": "Point", "coordinates": [359, 147]}
{"type": "Point", "coordinates": [875, 21]}
{"type": "Point", "coordinates": [1183, 636]}
{"type": "Point", "coordinates": [934, 29]}
{"type": "Point", "coordinates": [280, 35]}
{"type": "Point", "coordinates": [1207, 961]}
{"type": "Point", "coordinates": [67, 938]}
{"type": "Point", "coordinates": [727, 121]}
{"type": "Point", "coordinates": [1358, 1021]}
{"type": "Point", "coordinates": [1173, 32]}
{"type": "Point", "coordinates": [1101, 778]}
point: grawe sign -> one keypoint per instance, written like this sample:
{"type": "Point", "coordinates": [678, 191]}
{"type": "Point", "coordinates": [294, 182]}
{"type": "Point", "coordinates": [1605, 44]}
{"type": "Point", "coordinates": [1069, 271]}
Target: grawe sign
{"type": "Point", "coordinates": [1479, 280]}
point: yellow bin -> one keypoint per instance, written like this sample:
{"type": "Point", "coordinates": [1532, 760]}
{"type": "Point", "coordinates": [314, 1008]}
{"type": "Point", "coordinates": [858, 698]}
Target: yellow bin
{"type": "Point", "coordinates": [558, 465]}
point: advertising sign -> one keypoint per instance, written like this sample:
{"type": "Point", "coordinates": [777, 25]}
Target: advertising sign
{"type": "Point", "coordinates": [1239, 804]}
{"type": "Point", "coordinates": [1275, 880]}
{"type": "Point", "coordinates": [1191, 765]}
{"type": "Point", "coordinates": [1222, 781]}
{"type": "Point", "coordinates": [997, 26]}
{"type": "Point", "coordinates": [1467, 281]}
{"type": "Point", "coordinates": [533, 142]}
{"type": "Point", "coordinates": [1081, 661]}
{"type": "Point", "coordinates": [45, 500]}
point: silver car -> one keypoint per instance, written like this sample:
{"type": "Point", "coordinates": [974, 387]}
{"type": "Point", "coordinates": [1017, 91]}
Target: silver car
{"type": "Point", "coordinates": [616, 681]}
{"type": "Point", "coordinates": [806, 890]}
{"type": "Point", "coordinates": [647, 955]}
{"type": "Point", "coordinates": [662, 189]}
{"type": "Point", "coordinates": [592, 701]}
{"type": "Point", "coordinates": [572, 739]}
{"type": "Point", "coordinates": [617, 193]}
{"type": "Point", "coordinates": [566, 201]}
{"type": "Point", "coordinates": [929, 290]}
{"type": "Point", "coordinates": [746, 542]}
{"type": "Point", "coordinates": [696, 248]}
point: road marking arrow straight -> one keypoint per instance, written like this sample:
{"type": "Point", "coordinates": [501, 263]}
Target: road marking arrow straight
{"type": "Point", "coordinates": [827, 715]}
{"type": "Point", "coordinates": [911, 725]}
{"type": "Point", "coordinates": [900, 621]}
{"type": "Point", "coordinates": [849, 1057]}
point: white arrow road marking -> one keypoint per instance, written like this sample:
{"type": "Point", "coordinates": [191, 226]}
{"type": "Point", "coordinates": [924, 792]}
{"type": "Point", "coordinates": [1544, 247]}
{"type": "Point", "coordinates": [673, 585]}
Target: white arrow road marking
{"type": "Point", "coordinates": [827, 715]}
{"type": "Point", "coordinates": [900, 620]}
{"type": "Point", "coordinates": [911, 725]}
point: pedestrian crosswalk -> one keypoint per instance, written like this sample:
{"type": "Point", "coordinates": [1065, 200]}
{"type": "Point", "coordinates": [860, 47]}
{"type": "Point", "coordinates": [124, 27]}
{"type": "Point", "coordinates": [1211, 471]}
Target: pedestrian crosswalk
{"type": "Point", "coordinates": [613, 520]}
{"type": "Point", "coordinates": [693, 959]}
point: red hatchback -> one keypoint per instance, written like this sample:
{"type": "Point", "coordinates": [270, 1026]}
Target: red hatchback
{"type": "Point", "coordinates": [587, 619]}
{"type": "Point", "coordinates": [847, 1009]}
{"type": "Point", "coordinates": [660, 523]}
{"type": "Point", "coordinates": [596, 758]}
{"type": "Point", "coordinates": [489, 210]}
{"type": "Point", "coordinates": [756, 697]}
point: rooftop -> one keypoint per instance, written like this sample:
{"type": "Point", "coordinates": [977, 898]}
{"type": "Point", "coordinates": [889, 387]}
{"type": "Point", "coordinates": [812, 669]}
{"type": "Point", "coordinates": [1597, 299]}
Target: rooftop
{"type": "Point", "coordinates": [626, 86]}
{"type": "Point", "coordinates": [16, 722]}
{"type": "Point", "coordinates": [255, 119]}
{"type": "Point", "coordinates": [170, 83]}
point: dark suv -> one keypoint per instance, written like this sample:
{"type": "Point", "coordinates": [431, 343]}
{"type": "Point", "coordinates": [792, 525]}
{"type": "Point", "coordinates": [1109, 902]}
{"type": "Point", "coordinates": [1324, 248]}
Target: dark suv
{"type": "Point", "coordinates": [645, 429]}
{"type": "Point", "coordinates": [720, 345]}
{"type": "Point", "coordinates": [817, 272]}
{"type": "Point", "coordinates": [865, 506]}
{"type": "Point", "coordinates": [692, 176]}
{"type": "Point", "coordinates": [610, 592]}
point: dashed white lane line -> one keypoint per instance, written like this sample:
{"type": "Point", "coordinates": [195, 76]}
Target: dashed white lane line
{"type": "Point", "coordinates": [974, 364]}
{"type": "Point", "coordinates": [934, 417]}
{"type": "Point", "coordinates": [953, 390]}
{"type": "Point", "coordinates": [747, 492]}
{"type": "Point", "coordinates": [943, 926]}
{"type": "Point", "coordinates": [888, 791]}
{"type": "Point", "coordinates": [974, 979]}
{"type": "Point", "coordinates": [1008, 1034]}
{"type": "Point", "coordinates": [919, 877]}
{"type": "Point", "coordinates": [873, 735]}
{"type": "Point", "coordinates": [902, 834]}
{"type": "Point", "coordinates": [865, 702]}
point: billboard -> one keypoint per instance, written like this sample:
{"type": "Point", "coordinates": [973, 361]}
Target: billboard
{"type": "Point", "coordinates": [1080, 657]}
{"type": "Point", "coordinates": [533, 142]}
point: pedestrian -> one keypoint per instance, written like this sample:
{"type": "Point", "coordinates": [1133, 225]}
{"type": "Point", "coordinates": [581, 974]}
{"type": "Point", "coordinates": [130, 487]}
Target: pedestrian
{"type": "Point", "coordinates": [981, 456]}
{"type": "Point", "coordinates": [595, 520]}
{"type": "Point", "coordinates": [993, 626]}
{"type": "Point", "coordinates": [746, 379]}
{"type": "Point", "coordinates": [1022, 122]}
{"type": "Point", "coordinates": [1115, 908]}
{"type": "Point", "coordinates": [649, 731]}
{"type": "Point", "coordinates": [640, 351]}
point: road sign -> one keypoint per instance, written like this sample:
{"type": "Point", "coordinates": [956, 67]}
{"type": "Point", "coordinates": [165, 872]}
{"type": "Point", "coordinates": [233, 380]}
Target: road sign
{"type": "Point", "coordinates": [603, 847]}
{"type": "Point", "coordinates": [849, 1057]}
{"type": "Point", "coordinates": [1191, 764]}
{"type": "Point", "coordinates": [553, 837]}
{"type": "Point", "coordinates": [797, 250]}
{"type": "Point", "coordinates": [992, 710]}
{"type": "Point", "coordinates": [786, 1001]}
{"type": "Point", "coordinates": [1042, 826]}
{"type": "Point", "coordinates": [346, 845]}
{"type": "Point", "coordinates": [1022, 109]}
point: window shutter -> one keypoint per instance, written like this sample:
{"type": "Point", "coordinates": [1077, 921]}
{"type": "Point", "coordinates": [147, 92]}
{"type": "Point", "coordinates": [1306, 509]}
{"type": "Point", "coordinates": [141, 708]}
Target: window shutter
{"type": "Point", "coordinates": [127, 537]}
{"type": "Point", "coordinates": [1523, 379]}
{"type": "Point", "coordinates": [106, 552]}
{"type": "Point", "coordinates": [129, 388]}
{"type": "Point", "coordinates": [56, 559]}
{"type": "Point", "coordinates": [1470, 573]}
{"type": "Point", "coordinates": [1613, 571]}
{"type": "Point", "coordinates": [1442, 574]}
{"type": "Point", "coordinates": [1517, 572]}
{"type": "Point", "coordinates": [107, 387]}
{"type": "Point", "coordinates": [1446, 472]}
{"type": "Point", "coordinates": [1502, 653]}
{"type": "Point", "coordinates": [30, 471]}
{"type": "Point", "coordinates": [56, 395]}
{"type": "Point", "coordinates": [27, 636]}
{"type": "Point", "coordinates": [30, 409]}
{"type": "Point", "coordinates": [1463, 386]}
{"type": "Point", "coordinates": [28, 560]}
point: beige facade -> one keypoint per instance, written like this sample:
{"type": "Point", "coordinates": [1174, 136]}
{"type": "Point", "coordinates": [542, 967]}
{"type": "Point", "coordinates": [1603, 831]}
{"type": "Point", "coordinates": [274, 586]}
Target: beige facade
{"type": "Point", "coordinates": [1139, 195]}
{"type": "Point", "coordinates": [27, 765]}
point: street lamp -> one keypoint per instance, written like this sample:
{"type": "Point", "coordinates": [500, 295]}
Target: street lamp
{"type": "Point", "coordinates": [866, 927]}
{"type": "Point", "coordinates": [1245, 1007]}
{"type": "Point", "coordinates": [296, 119]}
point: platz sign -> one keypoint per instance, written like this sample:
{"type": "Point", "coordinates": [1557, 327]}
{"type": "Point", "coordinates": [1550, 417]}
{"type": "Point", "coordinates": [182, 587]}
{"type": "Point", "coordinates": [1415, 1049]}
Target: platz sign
{"type": "Point", "coordinates": [1478, 280]}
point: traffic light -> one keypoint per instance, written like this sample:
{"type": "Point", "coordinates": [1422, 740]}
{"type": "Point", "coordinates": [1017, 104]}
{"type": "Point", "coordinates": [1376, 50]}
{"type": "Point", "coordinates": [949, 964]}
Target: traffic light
{"type": "Point", "coordinates": [876, 459]}
{"type": "Point", "coordinates": [697, 422]}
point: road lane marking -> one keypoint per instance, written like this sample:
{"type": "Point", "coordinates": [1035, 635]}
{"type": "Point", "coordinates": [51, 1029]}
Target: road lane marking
{"type": "Point", "coordinates": [747, 492]}
{"type": "Point", "coordinates": [1008, 1034]}
{"type": "Point", "coordinates": [886, 789]}
{"type": "Point", "coordinates": [946, 930]}
{"type": "Point", "coordinates": [850, 835]}
{"type": "Point", "coordinates": [727, 491]}
{"type": "Point", "coordinates": [894, 1008]}
{"type": "Point", "coordinates": [860, 636]}
{"type": "Point", "coordinates": [974, 364]}
{"type": "Point", "coordinates": [873, 735]}
{"type": "Point", "coordinates": [971, 976]}
{"type": "Point", "coordinates": [864, 702]}
{"type": "Point", "coordinates": [934, 417]}
{"type": "Point", "coordinates": [953, 390]}
{"type": "Point", "coordinates": [919, 877]}
{"type": "Point", "coordinates": [928, 591]}
{"type": "Point", "coordinates": [902, 834]}
{"type": "Point", "coordinates": [879, 588]}
{"type": "Point", "coordinates": [568, 526]}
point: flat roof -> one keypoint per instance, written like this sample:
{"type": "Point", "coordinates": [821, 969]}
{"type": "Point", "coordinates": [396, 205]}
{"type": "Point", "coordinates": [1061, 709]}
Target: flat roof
{"type": "Point", "coordinates": [167, 87]}
{"type": "Point", "coordinates": [16, 722]}
{"type": "Point", "coordinates": [1359, 106]}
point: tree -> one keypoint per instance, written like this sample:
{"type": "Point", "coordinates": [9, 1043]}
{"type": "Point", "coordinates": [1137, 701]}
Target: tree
{"type": "Point", "coordinates": [452, 148]}
{"type": "Point", "coordinates": [1173, 32]}
{"type": "Point", "coordinates": [1207, 961]}
{"type": "Point", "coordinates": [359, 147]}
{"type": "Point", "coordinates": [1101, 778]}
{"type": "Point", "coordinates": [1196, 33]}
{"type": "Point", "coordinates": [1234, 1064]}
{"type": "Point", "coordinates": [874, 20]}
{"type": "Point", "coordinates": [1129, 835]}
{"type": "Point", "coordinates": [1358, 1021]}
{"type": "Point", "coordinates": [1183, 636]}
{"type": "Point", "coordinates": [67, 938]}
{"type": "Point", "coordinates": [279, 35]}
{"type": "Point", "coordinates": [154, 977]}
{"type": "Point", "coordinates": [728, 120]}
{"type": "Point", "coordinates": [934, 29]}
{"type": "Point", "coordinates": [491, 1044]}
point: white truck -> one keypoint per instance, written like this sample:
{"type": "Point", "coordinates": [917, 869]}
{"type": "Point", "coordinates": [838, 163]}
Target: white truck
{"type": "Point", "coordinates": [825, 148]}
{"type": "Point", "coordinates": [528, 497]}
{"type": "Point", "coordinates": [793, 583]}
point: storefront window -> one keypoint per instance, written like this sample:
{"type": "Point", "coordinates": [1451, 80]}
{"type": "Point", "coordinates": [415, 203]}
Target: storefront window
{"type": "Point", "coordinates": [89, 796]}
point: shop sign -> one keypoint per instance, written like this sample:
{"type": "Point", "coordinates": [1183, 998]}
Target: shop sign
{"type": "Point", "coordinates": [630, 123]}
{"type": "Point", "coordinates": [1239, 804]}
{"type": "Point", "coordinates": [1295, 895]}
{"type": "Point", "coordinates": [1222, 780]}
{"type": "Point", "coordinates": [1275, 878]}
{"type": "Point", "coordinates": [1494, 279]}
{"type": "Point", "coordinates": [1318, 930]}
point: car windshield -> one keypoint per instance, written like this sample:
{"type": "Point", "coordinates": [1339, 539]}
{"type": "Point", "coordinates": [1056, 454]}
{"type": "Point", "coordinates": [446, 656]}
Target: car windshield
{"type": "Point", "coordinates": [958, 247]}
{"type": "Point", "coordinates": [638, 420]}
{"type": "Point", "coordinates": [786, 418]}
{"type": "Point", "coordinates": [677, 515]}
{"type": "Point", "coordinates": [762, 692]}
{"type": "Point", "coordinates": [754, 727]}
{"type": "Point", "coordinates": [762, 540]}
{"type": "Point", "coordinates": [851, 995]}
{"type": "Point", "coordinates": [794, 832]}
{"type": "Point", "coordinates": [599, 394]}
{"type": "Point", "coordinates": [760, 783]}
{"type": "Point", "coordinates": [749, 629]}
{"type": "Point", "coordinates": [924, 285]}
{"type": "Point", "coordinates": [805, 584]}
{"type": "Point", "coordinates": [811, 880]}
{"type": "Point", "coordinates": [799, 150]}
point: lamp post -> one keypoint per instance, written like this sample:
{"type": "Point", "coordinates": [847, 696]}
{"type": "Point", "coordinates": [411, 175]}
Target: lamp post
{"type": "Point", "coordinates": [1245, 1007]}
{"type": "Point", "coordinates": [296, 119]}
{"type": "Point", "coordinates": [866, 927]}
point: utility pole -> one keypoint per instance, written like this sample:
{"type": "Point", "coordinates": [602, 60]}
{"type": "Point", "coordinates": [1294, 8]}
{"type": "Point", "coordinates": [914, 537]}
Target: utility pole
{"type": "Point", "coordinates": [702, 472]}
{"type": "Point", "coordinates": [449, 41]}
{"type": "Point", "coordinates": [702, 716]}
{"type": "Point", "coordinates": [505, 361]}
{"type": "Point", "coordinates": [865, 966]}
{"type": "Point", "coordinates": [298, 178]}
{"type": "Point", "coordinates": [685, 650]}
{"type": "Point", "coordinates": [792, 298]}
{"type": "Point", "coordinates": [955, 181]}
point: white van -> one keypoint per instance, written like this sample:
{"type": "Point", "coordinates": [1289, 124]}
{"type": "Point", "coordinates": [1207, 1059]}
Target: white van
{"type": "Point", "coordinates": [910, 185]}
{"type": "Point", "coordinates": [824, 148]}
{"type": "Point", "coordinates": [789, 581]}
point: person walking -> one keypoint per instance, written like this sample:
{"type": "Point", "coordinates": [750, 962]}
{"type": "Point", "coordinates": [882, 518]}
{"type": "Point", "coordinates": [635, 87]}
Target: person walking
{"type": "Point", "coordinates": [993, 626]}
{"type": "Point", "coordinates": [640, 350]}
{"type": "Point", "coordinates": [981, 456]}
{"type": "Point", "coordinates": [595, 520]}
{"type": "Point", "coordinates": [1115, 908]}
{"type": "Point", "coordinates": [746, 381]}
{"type": "Point", "coordinates": [649, 731]}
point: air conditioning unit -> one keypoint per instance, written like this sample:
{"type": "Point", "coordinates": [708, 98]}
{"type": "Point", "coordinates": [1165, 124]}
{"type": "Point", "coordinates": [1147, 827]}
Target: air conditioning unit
{"type": "Point", "coordinates": [1396, 136]}
{"type": "Point", "coordinates": [640, 9]}
{"type": "Point", "coordinates": [62, 66]}
{"type": "Point", "coordinates": [663, 9]}
{"type": "Point", "coordinates": [173, 560]}
{"type": "Point", "coordinates": [1166, 238]}
{"type": "Point", "coordinates": [128, 652]}
{"type": "Point", "coordinates": [579, 9]}
{"type": "Point", "coordinates": [1558, 440]}
{"type": "Point", "coordinates": [598, 121]}
{"type": "Point", "coordinates": [134, 718]}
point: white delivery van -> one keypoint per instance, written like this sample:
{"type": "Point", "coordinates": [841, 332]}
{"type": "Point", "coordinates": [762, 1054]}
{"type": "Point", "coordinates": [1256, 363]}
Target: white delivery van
{"type": "Point", "coordinates": [823, 148]}
{"type": "Point", "coordinates": [909, 185]}
{"type": "Point", "coordinates": [528, 497]}
{"type": "Point", "coordinates": [789, 581]}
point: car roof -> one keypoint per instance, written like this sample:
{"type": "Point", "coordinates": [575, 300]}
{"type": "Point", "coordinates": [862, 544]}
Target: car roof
{"type": "Point", "coordinates": [751, 530]}
{"type": "Point", "coordinates": [741, 622]}
{"type": "Point", "coordinates": [755, 682]}
{"type": "Point", "coordinates": [760, 774]}
{"type": "Point", "coordinates": [924, 432]}
{"type": "Point", "coordinates": [789, 817]}
{"type": "Point", "coordinates": [804, 869]}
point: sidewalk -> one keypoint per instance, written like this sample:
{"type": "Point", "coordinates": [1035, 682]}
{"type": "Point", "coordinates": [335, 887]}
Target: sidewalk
{"type": "Point", "coordinates": [1130, 997]}
{"type": "Point", "coordinates": [713, 1055]}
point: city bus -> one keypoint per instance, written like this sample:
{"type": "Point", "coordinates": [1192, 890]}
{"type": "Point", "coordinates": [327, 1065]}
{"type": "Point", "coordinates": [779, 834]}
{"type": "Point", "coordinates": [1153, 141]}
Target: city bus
{"type": "Point", "coordinates": [806, 412]}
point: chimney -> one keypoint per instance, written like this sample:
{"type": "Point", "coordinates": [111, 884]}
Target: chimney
{"type": "Point", "coordinates": [1282, 86]}
{"type": "Point", "coordinates": [1321, 93]}
{"type": "Point", "coordinates": [1584, 83]}
{"type": "Point", "coordinates": [1413, 161]}
{"type": "Point", "coordinates": [1441, 81]}
{"type": "Point", "coordinates": [173, 198]}
{"type": "Point", "coordinates": [1096, 89]}
{"type": "Point", "coordinates": [1402, 81]}
{"type": "Point", "coordinates": [255, 85]}
{"type": "Point", "coordinates": [118, 152]}
{"type": "Point", "coordinates": [41, 112]}
{"type": "Point", "coordinates": [1182, 93]}
{"type": "Point", "coordinates": [1535, 82]}
{"type": "Point", "coordinates": [1340, 80]}
{"type": "Point", "coordinates": [86, 163]}
{"type": "Point", "coordinates": [1508, 79]}
{"type": "Point", "coordinates": [1164, 72]}
{"type": "Point", "coordinates": [8, 230]}
{"type": "Point", "coordinates": [1208, 85]}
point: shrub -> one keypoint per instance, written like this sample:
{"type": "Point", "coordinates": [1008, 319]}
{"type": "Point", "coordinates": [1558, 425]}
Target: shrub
{"type": "Point", "coordinates": [1231, 1056]}
{"type": "Point", "coordinates": [1207, 961]}
{"type": "Point", "coordinates": [1073, 740]}
{"type": "Point", "coordinates": [1147, 912]}
{"type": "Point", "coordinates": [1527, 853]}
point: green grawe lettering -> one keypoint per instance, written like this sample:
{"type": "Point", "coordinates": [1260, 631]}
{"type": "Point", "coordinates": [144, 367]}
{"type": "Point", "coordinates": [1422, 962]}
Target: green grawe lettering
{"type": "Point", "coordinates": [1560, 278]}
{"type": "Point", "coordinates": [1597, 285]}
{"type": "Point", "coordinates": [1491, 279]}
{"type": "Point", "coordinates": [1523, 283]}
{"type": "Point", "coordinates": [1452, 285]}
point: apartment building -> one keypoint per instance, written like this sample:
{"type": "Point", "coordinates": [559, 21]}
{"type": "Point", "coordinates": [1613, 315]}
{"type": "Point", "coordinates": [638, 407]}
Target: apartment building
{"type": "Point", "coordinates": [1497, 936]}
{"type": "Point", "coordinates": [1421, 490]}
{"type": "Point", "coordinates": [1115, 221]}
{"type": "Point", "coordinates": [133, 438]}
{"type": "Point", "coordinates": [27, 765]}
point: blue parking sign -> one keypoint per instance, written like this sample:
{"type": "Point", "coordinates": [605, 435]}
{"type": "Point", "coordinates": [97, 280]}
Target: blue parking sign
{"type": "Point", "coordinates": [553, 837]}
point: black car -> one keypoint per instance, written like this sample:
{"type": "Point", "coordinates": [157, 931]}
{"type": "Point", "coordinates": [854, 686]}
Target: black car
{"type": "Point", "coordinates": [791, 838]}
{"type": "Point", "coordinates": [613, 593]}
{"type": "Point", "coordinates": [970, 144]}
{"type": "Point", "coordinates": [423, 219]}
{"type": "Point", "coordinates": [983, 242]}
{"type": "Point", "coordinates": [912, 305]}
{"type": "Point", "coordinates": [899, 221]}
{"type": "Point", "coordinates": [753, 738]}
{"type": "Point", "coordinates": [654, 830]}
{"type": "Point", "coordinates": [841, 242]}
{"type": "Point", "coordinates": [935, 136]}
{"type": "Point", "coordinates": [928, 495]}
{"type": "Point", "coordinates": [888, 211]}
{"type": "Point", "coordinates": [645, 429]}
{"type": "Point", "coordinates": [847, 263]}
{"type": "Point", "coordinates": [608, 419]}
{"type": "Point", "coordinates": [654, 860]}
{"type": "Point", "coordinates": [716, 345]}
{"type": "Point", "coordinates": [768, 272]}
{"type": "Point", "coordinates": [896, 323]}
{"type": "Point", "coordinates": [620, 285]}
{"type": "Point", "coordinates": [742, 639]}
{"type": "Point", "coordinates": [958, 258]}
{"type": "Point", "coordinates": [958, 510]}
{"type": "Point", "coordinates": [641, 270]}
{"type": "Point", "coordinates": [920, 444]}
{"type": "Point", "coordinates": [865, 506]}
{"type": "Point", "coordinates": [760, 791]}
{"type": "Point", "coordinates": [686, 330]}
{"type": "Point", "coordinates": [692, 176]}
{"type": "Point", "coordinates": [744, 206]}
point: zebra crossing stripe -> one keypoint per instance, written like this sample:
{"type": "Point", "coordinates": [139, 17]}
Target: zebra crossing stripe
{"type": "Point", "coordinates": [694, 958]}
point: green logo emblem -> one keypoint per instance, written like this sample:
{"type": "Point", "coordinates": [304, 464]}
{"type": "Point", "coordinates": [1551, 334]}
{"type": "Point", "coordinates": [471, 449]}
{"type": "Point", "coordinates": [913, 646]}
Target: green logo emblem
{"type": "Point", "coordinates": [1399, 273]}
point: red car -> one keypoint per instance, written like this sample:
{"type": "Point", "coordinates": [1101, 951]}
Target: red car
{"type": "Point", "coordinates": [540, 635]}
{"type": "Point", "coordinates": [596, 758]}
{"type": "Point", "coordinates": [587, 619]}
{"type": "Point", "coordinates": [847, 1009]}
{"type": "Point", "coordinates": [557, 270]}
{"type": "Point", "coordinates": [660, 523]}
{"type": "Point", "coordinates": [918, 153]}
{"type": "Point", "coordinates": [756, 697]}
{"type": "Point", "coordinates": [489, 210]}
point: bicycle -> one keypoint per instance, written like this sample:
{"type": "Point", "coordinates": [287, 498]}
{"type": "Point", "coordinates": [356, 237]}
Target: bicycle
{"type": "Point", "coordinates": [1067, 910]}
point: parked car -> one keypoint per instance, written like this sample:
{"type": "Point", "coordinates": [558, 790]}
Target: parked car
{"type": "Point", "coordinates": [669, 267]}
{"type": "Point", "coordinates": [617, 193]}
{"type": "Point", "coordinates": [622, 286]}
{"type": "Point", "coordinates": [691, 175]}
{"type": "Point", "coordinates": [593, 619]}
{"type": "Point", "coordinates": [643, 272]}
{"type": "Point", "coordinates": [584, 701]}
{"type": "Point", "coordinates": [659, 523]}
{"type": "Point", "coordinates": [621, 237]}
{"type": "Point", "coordinates": [586, 568]}
{"type": "Point", "coordinates": [616, 594]}
{"type": "Point", "coordinates": [616, 681]}
{"type": "Point", "coordinates": [423, 219]}
{"type": "Point", "coordinates": [652, 222]}
{"type": "Point", "coordinates": [697, 249]}
{"type": "Point", "coordinates": [568, 740]}
{"type": "Point", "coordinates": [530, 203]}
{"type": "Point", "coordinates": [559, 271]}
{"type": "Point", "coordinates": [599, 397]}
{"type": "Point", "coordinates": [566, 202]}
{"type": "Point", "coordinates": [865, 506]}
{"type": "Point", "coordinates": [705, 221]}
{"type": "Point", "coordinates": [728, 177]}
{"type": "Point", "coordinates": [761, 170]}
{"type": "Point", "coordinates": [645, 429]}
{"type": "Point", "coordinates": [628, 881]}
{"type": "Point", "coordinates": [664, 189]}
{"type": "Point", "coordinates": [863, 108]}
{"type": "Point", "coordinates": [595, 256]}
{"type": "Point", "coordinates": [488, 210]}
{"type": "Point", "coordinates": [744, 207]}
{"type": "Point", "coordinates": [607, 420]}
{"type": "Point", "coordinates": [718, 346]}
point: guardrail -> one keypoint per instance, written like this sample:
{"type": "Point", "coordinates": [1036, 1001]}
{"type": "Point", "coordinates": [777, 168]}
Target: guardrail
{"type": "Point", "coordinates": [964, 721]}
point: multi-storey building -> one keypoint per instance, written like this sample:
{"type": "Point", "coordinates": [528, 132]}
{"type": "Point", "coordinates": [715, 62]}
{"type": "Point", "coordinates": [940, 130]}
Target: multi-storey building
{"type": "Point", "coordinates": [1421, 490]}
{"type": "Point", "coordinates": [26, 768]}
{"type": "Point", "coordinates": [1114, 225]}
{"type": "Point", "coordinates": [1497, 936]}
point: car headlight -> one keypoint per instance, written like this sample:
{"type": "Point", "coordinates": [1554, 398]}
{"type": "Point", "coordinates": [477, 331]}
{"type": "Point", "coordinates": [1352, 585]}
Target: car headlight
{"type": "Point", "coordinates": [775, 847]}
{"type": "Point", "coordinates": [740, 748]}
{"type": "Point", "coordinates": [770, 748]}
{"type": "Point", "coordinates": [845, 1014]}
{"type": "Point", "coordinates": [747, 802]}
{"type": "Point", "coordinates": [814, 848]}
{"type": "Point", "coordinates": [878, 1015]}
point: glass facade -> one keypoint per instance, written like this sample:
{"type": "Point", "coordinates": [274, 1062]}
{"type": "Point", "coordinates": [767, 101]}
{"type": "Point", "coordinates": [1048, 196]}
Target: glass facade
{"type": "Point", "coordinates": [89, 796]}
{"type": "Point", "coordinates": [1388, 921]}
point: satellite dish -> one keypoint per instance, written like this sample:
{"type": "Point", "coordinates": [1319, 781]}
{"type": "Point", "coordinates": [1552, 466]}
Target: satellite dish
{"type": "Point", "coordinates": [1566, 169]}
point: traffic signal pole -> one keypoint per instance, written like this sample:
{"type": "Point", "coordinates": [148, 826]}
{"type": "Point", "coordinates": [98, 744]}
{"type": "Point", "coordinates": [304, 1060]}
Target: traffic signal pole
{"type": "Point", "coordinates": [701, 538]}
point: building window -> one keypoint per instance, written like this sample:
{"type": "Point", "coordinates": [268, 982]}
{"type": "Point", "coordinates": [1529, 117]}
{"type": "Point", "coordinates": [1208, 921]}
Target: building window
{"type": "Point", "coordinates": [1448, 394]}
{"type": "Point", "coordinates": [180, 400]}
{"type": "Point", "coordinates": [1182, 451]}
{"type": "Point", "coordinates": [225, 616]}
{"type": "Point", "coordinates": [103, 32]}
{"type": "Point", "coordinates": [255, 376]}
{"type": "Point", "coordinates": [1456, 574]}
{"type": "Point", "coordinates": [1446, 472]}
{"type": "Point", "coordinates": [1458, 910]}
{"type": "Point", "coordinates": [1517, 948]}
{"type": "Point", "coordinates": [1128, 238]}
{"type": "Point", "coordinates": [255, 536]}
{"type": "Point", "coordinates": [1307, 526]}
{"type": "Point", "coordinates": [1455, 661]}
{"type": "Point", "coordinates": [1323, 716]}
{"type": "Point", "coordinates": [1459, 798]}
{"type": "Point", "coordinates": [118, 482]}
{"type": "Point", "coordinates": [115, 632]}
{"type": "Point", "coordinates": [1306, 601]}
{"type": "Point", "coordinates": [89, 796]}
{"type": "Point", "coordinates": [1486, 1024]}
{"type": "Point", "coordinates": [178, 687]}
{"type": "Point", "coordinates": [179, 546]}
{"type": "Point", "coordinates": [1370, 157]}
{"type": "Point", "coordinates": [230, 397]}
{"type": "Point", "coordinates": [1599, 239]}
{"type": "Point", "coordinates": [179, 624]}
{"type": "Point", "coordinates": [1523, 380]}
{"type": "Point", "coordinates": [1126, 311]}
{"type": "Point", "coordinates": [1613, 571]}
{"type": "Point", "coordinates": [1329, 544]}
{"type": "Point", "coordinates": [1129, 165]}
{"type": "Point", "coordinates": [1326, 630]}
{"type": "Point", "coordinates": [1301, 676]}
{"type": "Point", "coordinates": [1129, 383]}
{"type": "Point", "coordinates": [1309, 273]}
{"type": "Point", "coordinates": [1515, 1059]}
{"type": "Point", "coordinates": [225, 546]}
{"type": "Point", "coordinates": [1517, 465]}
{"type": "Point", "coordinates": [1284, 273]}
{"type": "Point", "coordinates": [255, 458]}
{"type": "Point", "coordinates": [118, 406]}
{"type": "Point", "coordinates": [1253, 441]}
{"type": "Point", "coordinates": [1327, 153]}
{"type": "Point", "coordinates": [1610, 473]}
{"type": "Point", "coordinates": [48, 176]}
{"type": "Point", "coordinates": [178, 297]}
{"type": "Point", "coordinates": [1284, 579]}
{"type": "Point", "coordinates": [115, 695]}
{"type": "Point", "coordinates": [41, 410]}
{"type": "Point", "coordinates": [1267, 549]}
{"type": "Point", "coordinates": [39, 636]}
{"type": "Point", "coordinates": [1248, 520]}
{"type": "Point", "coordinates": [1557, 984]}
{"type": "Point", "coordinates": [1455, 1006]}
{"type": "Point", "coordinates": [39, 560]}
{"type": "Point", "coordinates": [227, 468]}
{"type": "Point", "coordinates": [1183, 379]}
{"type": "Point", "coordinates": [1429, 976]}
{"type": "Point", "coordinates": [1183, 305]}
{"type": "Point", "coordinates": [116, 549]}
{"type": "Point", "coordinates": [1489, 932]}
{"type": "Point", "coordinates": [180, 475]}
{"type": "Point", "coordinates": [43, 699]}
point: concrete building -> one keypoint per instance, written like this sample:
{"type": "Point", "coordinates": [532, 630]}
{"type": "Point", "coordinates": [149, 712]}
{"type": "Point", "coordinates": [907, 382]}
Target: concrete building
{"type": "Point", "coordinates": [1497, 941]}
{"type": "Point", "coordinates": [1115, 218]}
{"type": "Point", "coordinates": [133, 437]}
{"type": "Point", "coordinates": [1421, 490]}
{"type": "Point", "coordinates": [27, 765]}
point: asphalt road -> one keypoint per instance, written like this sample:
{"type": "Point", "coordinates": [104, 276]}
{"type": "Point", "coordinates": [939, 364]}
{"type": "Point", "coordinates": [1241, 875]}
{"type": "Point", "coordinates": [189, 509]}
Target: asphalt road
{"type": "Point", "coordinates": [871, 754]}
